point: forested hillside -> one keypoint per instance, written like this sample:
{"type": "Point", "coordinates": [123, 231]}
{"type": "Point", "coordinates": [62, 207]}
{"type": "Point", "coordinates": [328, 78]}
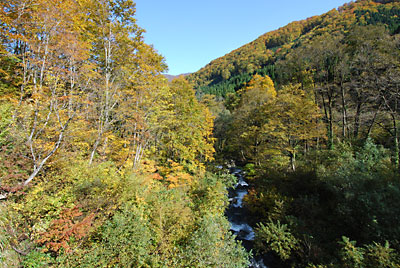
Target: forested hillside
{"type": "Point", "coordinates": [230, 72]}
{"type": "Point", "coordinates": [102, 160]}
{"type": "Point", "coordinates": [106, 163]}
{"type": "Point", "coordinates": [311, 111]}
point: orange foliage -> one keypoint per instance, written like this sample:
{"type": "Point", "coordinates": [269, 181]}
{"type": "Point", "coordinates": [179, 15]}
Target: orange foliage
{"type": "Point", "coordinates": [174, 175]}
{"type": "Point", "coordinates": [70, 224]}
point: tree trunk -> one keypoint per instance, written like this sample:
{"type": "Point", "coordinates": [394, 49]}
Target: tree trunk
{"type": "Point", "coordinates": [330, 136]}
{"type": "Point", "coordinates": [344, 112]}
{"type": "Point", "coordinates": [326, 119]}
{"type": "Point", "coordinates": [396, 143]}
{"type": "Point", "coordinates": [39, 167]}
{"type": "Point", "coordinates": [357, 120]}
{"type": "Point", "coordinates": [95, 145]}
{"type": "Point", "coordinates": [293, 161]}
{"type": "Point", "coordinates": [372, 123]}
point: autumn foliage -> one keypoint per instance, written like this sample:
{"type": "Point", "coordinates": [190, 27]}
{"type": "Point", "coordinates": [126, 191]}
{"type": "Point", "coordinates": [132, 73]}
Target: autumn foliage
{"type": "Point", "coordinates": [102, 157]}
{"type": "Point", "coordinates": [65, 229]}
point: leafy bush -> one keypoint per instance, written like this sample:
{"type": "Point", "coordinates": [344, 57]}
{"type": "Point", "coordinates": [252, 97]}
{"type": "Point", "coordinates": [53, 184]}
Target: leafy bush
{"type": "Point", "coordinates": [156, 226]}
{"type": "Point", "coordinates": [351, 255]}
{"type": "Point", "coordinates": [5, 120]}
{"type": "Point", "coordinates": [36, 259]}
{"type": "Point", "coordinates": [8, 256]}
{"type": "Point", "coordinates": [125, 241]}
{"type": "Point", "coordinates": [212, 245]}
{"type": "Point", "coordinates": [373, 255]}
{"type": "Point", "coordinates": [275, 237]}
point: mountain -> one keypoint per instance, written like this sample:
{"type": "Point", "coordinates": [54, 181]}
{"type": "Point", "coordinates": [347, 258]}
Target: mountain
{"type": "Point", "coordinates": [232, 71]}
{"type": "Point", "coordinates": [171, 77]}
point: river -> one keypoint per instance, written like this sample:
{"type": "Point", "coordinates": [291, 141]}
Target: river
{"type": "Point", "coordinates": [238, 216]}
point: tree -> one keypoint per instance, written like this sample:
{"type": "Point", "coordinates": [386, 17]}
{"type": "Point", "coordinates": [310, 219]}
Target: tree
{"type": "Point", "coordinates": [294, 120]}
{"type": "Point", "coordinates": [269, 125]}
{"type": "Point", "coordinates": [212, 246]}
{"type": "Point", "coordinates": [388, 83]}
{"type": "Point", "coordinates": [187, 136]}
{"type": "Point", "coordinates": [366, 48]}
{"type": "Point", "coordinates": [246, 133]}
{"type": "Point", "coordinates": [51, 54]}
{"type": "Point", "coordinates": [325, 54]}
{"type": "Point", "coordinates": [117, 47]}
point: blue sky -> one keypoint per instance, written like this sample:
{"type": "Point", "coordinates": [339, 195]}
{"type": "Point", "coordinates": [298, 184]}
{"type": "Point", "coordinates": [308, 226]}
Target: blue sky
{"type": "Point", "coordinates": [190, 34]}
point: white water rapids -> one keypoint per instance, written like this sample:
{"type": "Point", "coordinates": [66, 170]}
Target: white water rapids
{"type": "Point", "coordinates": [237, 216]}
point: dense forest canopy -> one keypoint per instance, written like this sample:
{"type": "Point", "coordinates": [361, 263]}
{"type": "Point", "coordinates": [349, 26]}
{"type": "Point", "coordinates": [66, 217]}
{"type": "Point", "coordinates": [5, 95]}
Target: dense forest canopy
{"type": "Point", "coordinates": [102, 160]}
{"type": "Point", "coordinates": [312, 112]}
{"type": "Point", "coordinates": [106, 163]}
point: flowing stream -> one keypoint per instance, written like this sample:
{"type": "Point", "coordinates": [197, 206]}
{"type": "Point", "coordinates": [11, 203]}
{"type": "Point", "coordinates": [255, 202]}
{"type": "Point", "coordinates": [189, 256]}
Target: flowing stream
{"type": "Point", "coordinates": [238, 216]}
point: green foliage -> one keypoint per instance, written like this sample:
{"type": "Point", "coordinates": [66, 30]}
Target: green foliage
{"type": "Point", "coordinates": [383, 14]}
{"type": "Point", "coordinates": [378, 255]}
{"type": "Point", "coordinates": [210, 194]}
{"type": "Point", "coordinates": [213, 246]}
{"type": "Point", "coordinates": [126, 241]}
{"type": "Point", "coordinates": [160, 227]}
{"type": "Point", "coordinates": [92, 188]}
{"type": "Point", "coordinates": [320, 266]}
{"type": "Point", "coordinates": [275, 237]}
{"type": "Point", "coordinates": [353, 193]}
{"type": "Point", "coordinates": [8, 256]}
{"type": "Point", "coordinates": [37, 259]}
{"type": "Point", "coordinates": [232, 84]}
{"type": "Point", "coordinates": [5, 123]}
{"type": "Point", "coordinates": [370, 160]}
{"type": "Point", "coordinates": [351, 255]}
{"type": "Point", "coordinates": [250, 170]}
{"type": "Point", "coordinates": [312, 163]}
{"type": "Point", "coordinates": [372, 255]}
